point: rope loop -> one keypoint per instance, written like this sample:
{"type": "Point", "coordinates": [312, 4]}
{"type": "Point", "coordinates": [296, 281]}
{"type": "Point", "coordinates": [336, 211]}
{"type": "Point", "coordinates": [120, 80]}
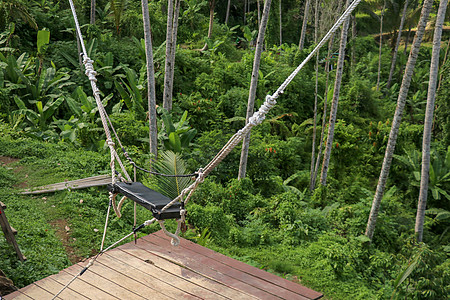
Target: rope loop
{"type": "Point", "coordinates": [200, 175]}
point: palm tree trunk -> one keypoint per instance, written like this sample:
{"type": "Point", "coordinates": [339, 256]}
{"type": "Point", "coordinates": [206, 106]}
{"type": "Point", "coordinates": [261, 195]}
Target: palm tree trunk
{"type": "Point", "coordinates": [92, 15]}
{"type": "Point", "coordinates": [212, 5]}
{"type": "Point", "coordinates": [407, 39]}
{"type": "Point", "coordinates": [370, 229]}
{"type": "Point", "coordinates": [399, 37]}
{"type": "Point", "coordinates": [380, 47]}
{"type": "Point", "coordinates": [353, 58]}
{"type": "Point", "coordinates": [253, 86]}
{"type": "Point", "coordinates": [258, 6]}
{"type": "Point", "coordinates": [334, 103]}
{"type": "Point", "coordinates": [434, 70]}
{"type": "Point", "coordinates": [245, 11]}
{"type": "Point", "coordinates": [174, 49]}
{"type": "Point", "coordinates": [228, 12]}
{"type": "Point", "coordinates": [313, 151]}
{"type": "Point", "coordinates": [325, 102]}
{"type": "Point", "coordinates": [281, 25]}
{"type": "Point", "coordinates": [153, 131]}
{"type": "Point", "coordinates": [167, 97]}
{"type": "Point", "coordinates": [305, 22]}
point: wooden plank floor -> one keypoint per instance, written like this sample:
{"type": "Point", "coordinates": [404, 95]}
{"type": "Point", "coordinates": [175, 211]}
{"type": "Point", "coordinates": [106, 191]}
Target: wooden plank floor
{"type": "Point", "coordinates": [154, 269]}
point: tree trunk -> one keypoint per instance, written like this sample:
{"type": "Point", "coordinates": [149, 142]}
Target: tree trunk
{"type": "Point", "coordinates": [258, 6]}
{"type": "Point", "coordinates": [353, 58]}
{"type": "Point", "coordinates": [92, 16]}
{"type": "Point", "coordinates": [407, 39]}
{"type": "Point", "coordinates": [334, 103]}
{"type": "Point", "coordinates": [228, 12]}
{"type": "Point", "coordinates": [245, 12]}
{"type": "Point", "coordinates": [434, 70]}
{"type": "Point", "coordinates": [173, 50]}
{"type": "Point", "coordinates": [380, 46]}
{"type": "Point", "coordinates": [212, 5]}
{"type": "Point", "coordinates": [305, 21]}
{"type": "Point", "coordinates": [281, 24]}
{"type": "Point", "coordinates": [167, 97]}
{"type": "Point", "coordinates": [253, 86]}
{"type": "Point", "coordinates": [153, 130]}
{"type": "Point", "coordinates": [399, 37]}
{"type": "Point", "coordinates": [313, 151]}
{"type": "Point", "coordinates": [325, 102]}
{"type": "Point", "coordinates": [397, 118]}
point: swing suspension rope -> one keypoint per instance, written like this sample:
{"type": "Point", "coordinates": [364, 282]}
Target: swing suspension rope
{"type": "Point", "coordinates": [257, 118]}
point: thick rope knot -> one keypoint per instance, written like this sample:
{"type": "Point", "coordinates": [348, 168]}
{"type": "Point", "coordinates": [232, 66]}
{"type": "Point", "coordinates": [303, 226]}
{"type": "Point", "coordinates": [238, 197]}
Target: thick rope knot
{"type": "Point", "coordinates": [257, 118]}
{"type": "Point", "coordinates": [89, 65]}
{"type": "Point", "coordinates": [200, 175]}
{"type": "Point", "coordinates": [110, 143]}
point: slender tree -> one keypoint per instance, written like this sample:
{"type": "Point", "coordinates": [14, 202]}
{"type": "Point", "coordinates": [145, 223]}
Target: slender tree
{"type": "Point", "coordinates": [173, 50]}
{"type": "Point", "coordinates": [334, 103]}
{"type": "Point", "coordinates": [153, 135]}
{"type": "Point", "coordinates": [316, 38]}
{"type": "Point", "coordinates": [258, 7]}
{"type": "Point", "coordinates": [370, 229]}
{"type": "Point", "coordinates": [167, 97]}
{"type": "Point", "coordinates": [325, 102]}
{"type": "Point", "coordinates": [380, 46]}
{"type": "Point", "coordinates": [434, 69]}
{"type": "Point", "coordinates": [92, 15]}
{"type": "Point", "coordinates": [305, 22]}
{"type": "Point", "coordinates": [281, 22]}
{"type": "Point", "coordinates": [253, 86]}
{"type": "Point", "coordinates": [212, 5]}
{"type": "Point", "coordinates": [399, 37]}
{"type": "Point", "coordinates": [227, 15]}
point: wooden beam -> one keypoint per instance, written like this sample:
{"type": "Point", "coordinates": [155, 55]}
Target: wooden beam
{"type": "Point", "coordinates": [9, 232]}
{"type": "Point", "coordinates": [83, 183]}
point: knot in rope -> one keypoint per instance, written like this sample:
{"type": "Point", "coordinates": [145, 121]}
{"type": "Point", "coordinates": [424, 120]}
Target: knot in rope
{"type": "Point", "coordinates": [110, 143]}
{"type": "Point", "coordinates": [89, 65]}
{"type": "Point", "coordinates": [200, 175]}
{"type": "Point", "coordinates": [257, 118]}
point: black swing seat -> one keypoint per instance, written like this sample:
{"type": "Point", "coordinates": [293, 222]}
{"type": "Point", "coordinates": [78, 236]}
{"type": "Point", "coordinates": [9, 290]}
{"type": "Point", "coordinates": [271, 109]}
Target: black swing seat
{"type": "Point", "coordinates": [147, 198]}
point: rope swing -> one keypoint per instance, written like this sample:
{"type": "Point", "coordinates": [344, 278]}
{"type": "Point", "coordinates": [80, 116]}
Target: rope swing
{"type": "Point", "coordinates": [166, 208]}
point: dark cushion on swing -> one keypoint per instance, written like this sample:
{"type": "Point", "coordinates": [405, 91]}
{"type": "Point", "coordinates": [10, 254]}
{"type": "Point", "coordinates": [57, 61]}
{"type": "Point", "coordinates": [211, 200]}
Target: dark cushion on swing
{"type": "Point", "coordinates": [147, 198]}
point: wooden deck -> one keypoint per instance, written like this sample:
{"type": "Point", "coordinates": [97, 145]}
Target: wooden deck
{"type": "Point", "coordinates": [154, 269]}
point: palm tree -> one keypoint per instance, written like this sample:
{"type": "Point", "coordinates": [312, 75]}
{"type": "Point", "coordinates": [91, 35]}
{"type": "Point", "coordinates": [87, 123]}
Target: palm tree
{"type": "Point", "coordinates": [394, 55]}
{"type": "Point", "coordinates": [228, 12]}
{"type": "Point", "coordinates": [316, 39]}
{"type": "Point", "coordinates": [370, 229]}
{"type": "Point", "coordinates": [167, 96]}
{"type": "Point", "coordinates": [153, 131]}
{"type": "Point", "coordinates": [434, 69]}
{"type": "Point", "coordinates": [212, 5]}
{"type": "Point", "coordinates": [334, 103]}
{"type": "Point", "coordinates": [92, 15]}
{"type": "Point", "coordinates": [13, 10]}
{"type": "Point", "coordinates": [305, 21]}
{"type": "Point", "coordinates": [253, 85]}
{"type": "Point", "coordinates": [380, 46]}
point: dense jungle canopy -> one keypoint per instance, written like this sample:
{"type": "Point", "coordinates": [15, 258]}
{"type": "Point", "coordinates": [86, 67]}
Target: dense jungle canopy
{"type": "Point", "coordinates": [356, 205]}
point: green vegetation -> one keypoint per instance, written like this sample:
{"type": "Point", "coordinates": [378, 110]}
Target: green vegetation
{"type": "Point", "coordinates": [49, 122]}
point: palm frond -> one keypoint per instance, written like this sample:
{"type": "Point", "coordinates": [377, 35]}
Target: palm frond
{"type": "Point", "coordinates": [170, 163]}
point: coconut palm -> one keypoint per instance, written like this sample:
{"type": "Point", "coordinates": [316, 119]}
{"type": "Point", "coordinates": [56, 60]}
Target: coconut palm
{"type": "Point", "coordinates": [153, 135]}
{"type": "Point", "coordinates": [434, 68]}
{"type": "Point", "coordinates": [334, 103]}
{"type": "Point", "coordinates": [370, 229]}
{"type": "Point", "coordinates": [253, 85]}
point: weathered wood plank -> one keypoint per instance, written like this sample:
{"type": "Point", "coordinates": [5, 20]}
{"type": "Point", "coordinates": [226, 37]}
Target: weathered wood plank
{"type": "Point", "coordinates": [113, 288]}
{"type": "Point", "coordinates": [9, 233]}
{"type": "Point", "coordinates": [104, 268]}
{"type": "Point", "coordinates": [17, 295]}
{"type": "Point", "coordinates": [184, 280]}
{"type": "Point", "coordinates": [234, 277]}
{"type": "Point", "coordinates": [35, 292]}
{"type": "Point", "coordinates": [266, 276]}
{"type": "Point", "coordinates": [53, 287]}
{"type": "Point", "coordinates": [120, 261]}
{"type": "Point", "coordinates": [200, 269]}
{"type": "Point", "coordinates": [94, 181]}
{"type": "Point", "coordinates": [82, 286]}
